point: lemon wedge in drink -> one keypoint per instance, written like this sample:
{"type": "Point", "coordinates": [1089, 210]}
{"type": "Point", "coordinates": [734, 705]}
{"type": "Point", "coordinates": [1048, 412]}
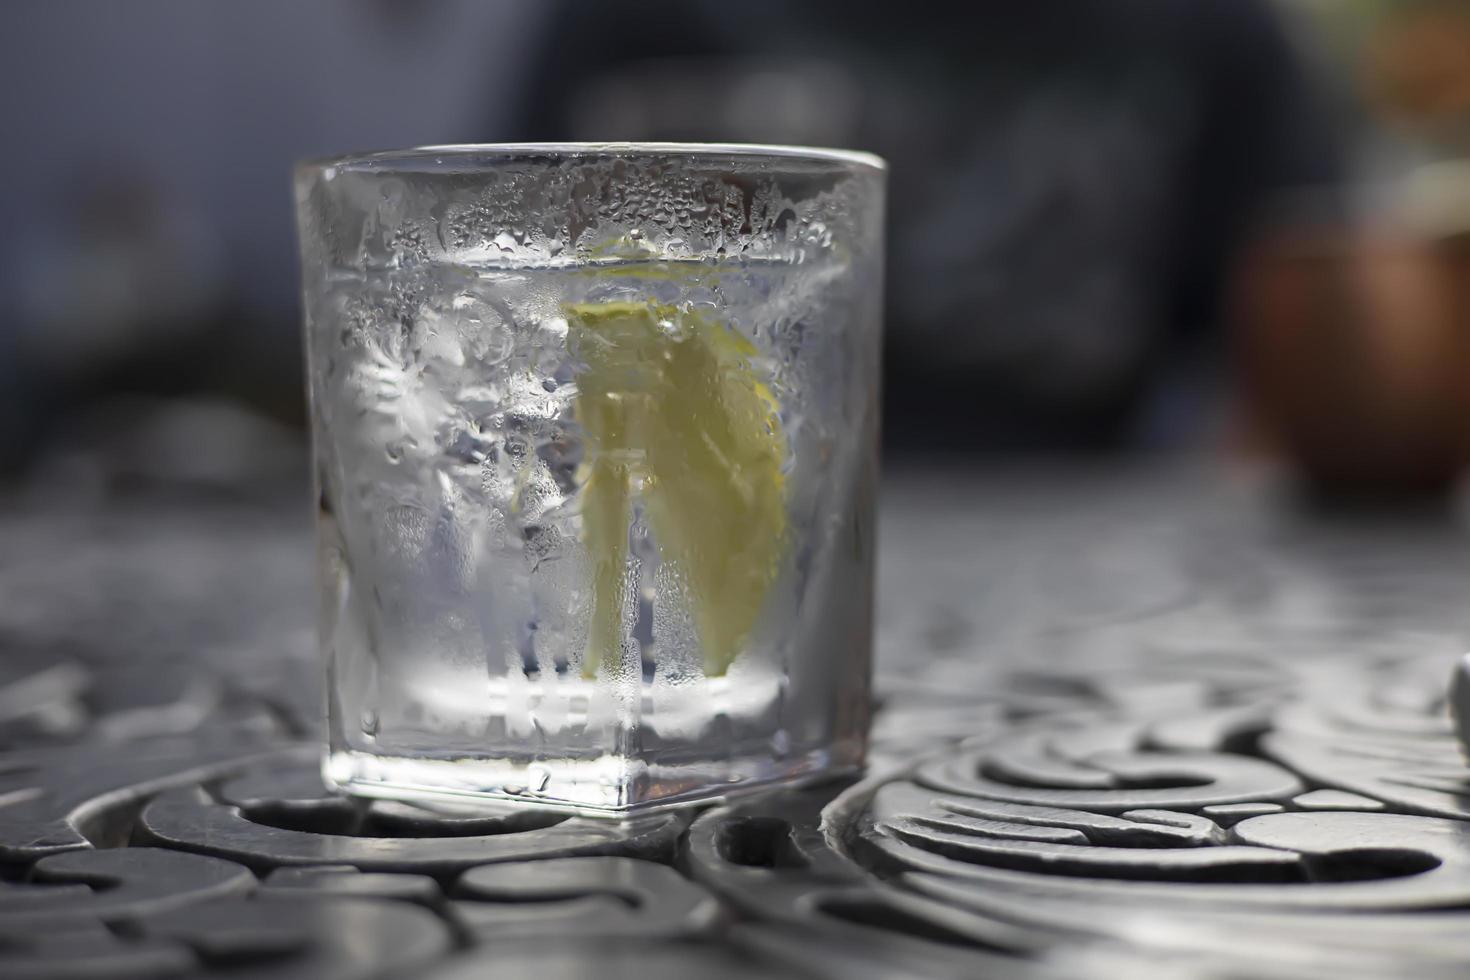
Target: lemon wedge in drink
{"type": "Point", "coordinates": [672, 408]}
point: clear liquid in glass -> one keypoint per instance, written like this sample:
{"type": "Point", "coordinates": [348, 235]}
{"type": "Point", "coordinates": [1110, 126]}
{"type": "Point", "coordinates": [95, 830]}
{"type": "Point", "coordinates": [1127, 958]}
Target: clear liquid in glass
{"type": "Point", "coordinates": [458, 586]}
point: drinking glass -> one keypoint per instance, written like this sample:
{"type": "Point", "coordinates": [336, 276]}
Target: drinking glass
{"type": "Point", "coordinates": [595, 447]}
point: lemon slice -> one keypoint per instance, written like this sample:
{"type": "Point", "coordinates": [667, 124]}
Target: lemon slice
{"type": "Point", "coordinates": [670, 403]}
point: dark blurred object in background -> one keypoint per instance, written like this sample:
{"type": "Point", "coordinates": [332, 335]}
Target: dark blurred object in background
{"type": "Point", "coordinates": [1070, 178]}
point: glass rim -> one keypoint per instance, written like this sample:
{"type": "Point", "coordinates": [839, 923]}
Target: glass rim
{"type": "Point", "coordinates": [433, 157]}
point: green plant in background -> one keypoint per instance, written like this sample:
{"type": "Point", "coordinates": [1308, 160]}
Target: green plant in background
{"type": "Point", "coordinates": [1406, 63]}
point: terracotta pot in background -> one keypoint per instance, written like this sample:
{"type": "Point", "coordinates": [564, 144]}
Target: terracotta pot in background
{"type": "Point", "coordinates": [1355, 357]}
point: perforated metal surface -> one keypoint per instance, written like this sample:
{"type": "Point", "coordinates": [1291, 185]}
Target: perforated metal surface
{"type": "Point", "coordinates": [1132, 724]}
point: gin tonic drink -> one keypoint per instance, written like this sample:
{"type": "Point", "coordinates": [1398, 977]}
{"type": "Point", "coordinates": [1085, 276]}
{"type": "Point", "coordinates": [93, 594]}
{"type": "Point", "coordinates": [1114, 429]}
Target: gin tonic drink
{"type": "Point", "coordinates": [595, 442]}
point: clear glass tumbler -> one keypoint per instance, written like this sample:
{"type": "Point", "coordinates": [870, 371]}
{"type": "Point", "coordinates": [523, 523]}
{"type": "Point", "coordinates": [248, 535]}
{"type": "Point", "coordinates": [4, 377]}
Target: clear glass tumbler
{"type": "Point", "coordinates": [595, 436]}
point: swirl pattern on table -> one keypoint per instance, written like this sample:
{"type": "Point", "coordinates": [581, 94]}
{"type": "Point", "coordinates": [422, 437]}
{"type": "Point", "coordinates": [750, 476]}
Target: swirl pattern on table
{"type": "Point", "coordinates": [1168, 733]}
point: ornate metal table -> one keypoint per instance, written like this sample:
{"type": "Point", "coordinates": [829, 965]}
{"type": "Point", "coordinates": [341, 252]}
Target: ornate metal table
{"type": "Point", "coordinates": [1132, 723]}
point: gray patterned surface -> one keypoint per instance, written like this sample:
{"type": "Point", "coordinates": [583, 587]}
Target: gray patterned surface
{"type": "Point", "coordinates": [1146, 723]}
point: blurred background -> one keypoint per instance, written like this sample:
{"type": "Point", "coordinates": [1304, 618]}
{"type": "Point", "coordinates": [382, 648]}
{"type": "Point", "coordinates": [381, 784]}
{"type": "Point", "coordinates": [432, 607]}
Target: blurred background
{"type": "Point", "coordinates": [1229, 226]}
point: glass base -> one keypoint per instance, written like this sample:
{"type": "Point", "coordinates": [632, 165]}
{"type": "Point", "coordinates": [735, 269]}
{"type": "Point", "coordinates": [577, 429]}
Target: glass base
{"type": "Point", "coordinates": [606, 787]}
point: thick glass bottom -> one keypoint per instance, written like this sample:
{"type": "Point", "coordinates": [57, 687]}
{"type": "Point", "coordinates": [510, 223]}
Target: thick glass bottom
{"type": "Point", "coordinates": [609, 786]}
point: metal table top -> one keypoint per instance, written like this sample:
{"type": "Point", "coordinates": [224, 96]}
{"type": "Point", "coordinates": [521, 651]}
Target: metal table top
{"type": "Point", "coordinates": [1141, 721]}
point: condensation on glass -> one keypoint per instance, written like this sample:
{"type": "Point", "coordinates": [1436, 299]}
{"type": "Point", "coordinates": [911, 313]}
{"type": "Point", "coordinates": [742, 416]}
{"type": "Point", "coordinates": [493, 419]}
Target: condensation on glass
{"type": "Point", "coordinates": [595, 440]}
